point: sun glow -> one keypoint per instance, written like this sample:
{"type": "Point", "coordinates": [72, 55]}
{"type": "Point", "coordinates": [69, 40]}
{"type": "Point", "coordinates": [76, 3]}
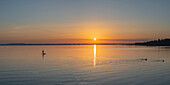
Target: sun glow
{"type": "Point", "coordinates": [94, 39]}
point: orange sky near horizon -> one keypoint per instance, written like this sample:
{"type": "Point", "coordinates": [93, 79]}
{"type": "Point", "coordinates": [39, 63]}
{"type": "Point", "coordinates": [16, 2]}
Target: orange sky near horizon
{"type": "Point", "coordinates": [60, 21]}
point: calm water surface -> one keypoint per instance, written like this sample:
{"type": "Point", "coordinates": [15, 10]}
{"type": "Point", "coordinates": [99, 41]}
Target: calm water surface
{"type": "Point", "coordinates": [84, 64]}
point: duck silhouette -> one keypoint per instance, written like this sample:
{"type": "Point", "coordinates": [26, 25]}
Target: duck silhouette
{"type": "Point", "coordinates": [144, 59]}
{"type": "Point", "coordinates": [159, 60]}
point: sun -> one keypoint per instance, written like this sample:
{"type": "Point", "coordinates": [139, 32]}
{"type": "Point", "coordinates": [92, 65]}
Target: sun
{"type": "Point", "coordinates": [94, 39]}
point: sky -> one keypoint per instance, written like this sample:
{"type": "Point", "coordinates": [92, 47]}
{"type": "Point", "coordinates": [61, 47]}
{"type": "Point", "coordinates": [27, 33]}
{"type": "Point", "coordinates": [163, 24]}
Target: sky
{"type": "Point", "coordinates": [54, 21]}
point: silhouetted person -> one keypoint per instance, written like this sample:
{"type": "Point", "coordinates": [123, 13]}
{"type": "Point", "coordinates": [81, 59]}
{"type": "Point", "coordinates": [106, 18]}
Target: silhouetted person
{"type": "Point", "coordinates": [43, 53]}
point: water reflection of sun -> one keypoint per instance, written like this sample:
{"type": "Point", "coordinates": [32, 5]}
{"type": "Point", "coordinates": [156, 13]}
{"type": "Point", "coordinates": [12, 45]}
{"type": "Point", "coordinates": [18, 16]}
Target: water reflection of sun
{"type": "Point", "coordinates": [94, 61]}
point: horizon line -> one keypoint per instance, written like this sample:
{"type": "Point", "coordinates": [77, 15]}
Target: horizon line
{"type": "Point", "coordinates": [67, 44]}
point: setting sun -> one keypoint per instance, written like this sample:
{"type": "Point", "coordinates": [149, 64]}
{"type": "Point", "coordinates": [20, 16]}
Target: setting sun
{"type": "Point", "coordinates": [94, 39]}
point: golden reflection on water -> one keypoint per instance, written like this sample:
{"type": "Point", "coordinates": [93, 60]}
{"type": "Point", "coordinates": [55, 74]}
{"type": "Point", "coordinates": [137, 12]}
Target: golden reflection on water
{"type": "Point", "coordinates": [94, 61]}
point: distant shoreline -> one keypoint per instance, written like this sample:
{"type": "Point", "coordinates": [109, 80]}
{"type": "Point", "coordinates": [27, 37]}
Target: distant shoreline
{"type": "Point", "coordinates": [159, 42]}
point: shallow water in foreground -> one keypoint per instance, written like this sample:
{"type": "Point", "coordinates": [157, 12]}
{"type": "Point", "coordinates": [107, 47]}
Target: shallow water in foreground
{"type": "Point", "coordinates": [84, 64]}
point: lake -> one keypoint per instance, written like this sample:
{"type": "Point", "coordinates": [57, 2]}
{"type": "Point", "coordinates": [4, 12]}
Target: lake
{"type": "Point", "coordinates": [84, 65]}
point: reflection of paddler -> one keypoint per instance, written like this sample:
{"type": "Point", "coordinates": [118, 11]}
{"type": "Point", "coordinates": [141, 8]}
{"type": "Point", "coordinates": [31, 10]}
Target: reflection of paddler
{"type": "Point", "coordinates": [43, 53]}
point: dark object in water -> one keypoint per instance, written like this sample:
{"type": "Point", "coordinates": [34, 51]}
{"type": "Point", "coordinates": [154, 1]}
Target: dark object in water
{"type": "Point", "coordinates": [144, 59]}
{"type": "Point", "coordinates": [159, 60]}
{"type": "Point", "coordinates": [162, 60]}
{"type": "Point", "coordinates": [43, 53]}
